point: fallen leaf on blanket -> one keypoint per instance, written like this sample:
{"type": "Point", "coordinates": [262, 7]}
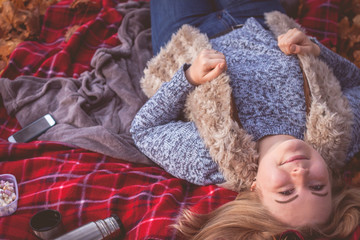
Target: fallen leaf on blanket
{"type": "Point", "coordinates": [85, 5]}
{"type": "Point", "coordinates": [2, 65]}
{"type": "Point", "coordinates": [70, 32]}
{"type": "Point", "coordinates": [16, 23]}
{"type": "Point", "coordinates": [349, 36]}
{"type": "Point", "coordinates": [19, 21]}
{"type": "Point", "coordinates": [356, 56]}
{"type": "Point", "coordinates": [354, 33]}
{"type": "Point", "coordinates": [355, 5]}
{"type": "Point", "coordinates": [343, 46]}
{"type": "Point", "coordinates": [42, 5]}
{"type": "Point", "coordinates": [6, 47]}
{"type": "Point", "coordinates": [344, 28]}
{"type": "Point", "coordinates": [18, 4]}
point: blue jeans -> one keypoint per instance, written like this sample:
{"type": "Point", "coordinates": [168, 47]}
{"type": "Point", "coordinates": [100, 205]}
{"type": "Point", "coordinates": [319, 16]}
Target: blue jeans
{"type": "Point", "coordinates": [211, 17]}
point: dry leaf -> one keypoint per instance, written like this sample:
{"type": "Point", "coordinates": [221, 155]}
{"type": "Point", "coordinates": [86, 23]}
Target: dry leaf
{"type": "Point", "coordinates": [356, 56]}
{"type": "Point", "coordinates": [2, 65]}
{"type": "Point", "coordinates": [19, 21]}
{"type": "Point", "coordinates": [24, 23]}
{"type": "Point", "coordinates": [70, 32]}
{"type": "Point", "coordinates": [6, 48]}
{"type": "Point", "coordinates": [355, 5]}
{"type": "Point", "coordinates": [42, 5]}
{"type": "Point", "coordinates": [85, 5]}
{"type": "Point", "coordinates": [18, 4]}
{"type": "Point", "coordinates": [344, 28]}
{"type": "Point", "coordinates": [349, 33]}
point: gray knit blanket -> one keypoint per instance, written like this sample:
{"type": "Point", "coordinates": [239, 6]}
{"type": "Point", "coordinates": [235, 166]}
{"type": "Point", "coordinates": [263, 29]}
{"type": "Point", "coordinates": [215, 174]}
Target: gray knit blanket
{"type": "Point", "coordinates": [95, 111]}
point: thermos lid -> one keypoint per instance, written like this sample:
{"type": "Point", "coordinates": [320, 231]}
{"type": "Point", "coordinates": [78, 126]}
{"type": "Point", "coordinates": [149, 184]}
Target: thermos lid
{"type": "Point", "coordinates": [121, 226]}
{"type": "Point", "coordinates": [47, 224]}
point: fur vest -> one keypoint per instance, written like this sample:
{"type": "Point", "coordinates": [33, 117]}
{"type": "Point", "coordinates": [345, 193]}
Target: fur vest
{"type": "Point", "coordinates": [329, 117]}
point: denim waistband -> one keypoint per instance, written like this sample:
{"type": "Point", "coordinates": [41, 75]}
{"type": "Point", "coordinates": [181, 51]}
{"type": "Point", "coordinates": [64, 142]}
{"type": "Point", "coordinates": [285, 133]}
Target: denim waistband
{"type": "Point", "coordinates": [227, 31]}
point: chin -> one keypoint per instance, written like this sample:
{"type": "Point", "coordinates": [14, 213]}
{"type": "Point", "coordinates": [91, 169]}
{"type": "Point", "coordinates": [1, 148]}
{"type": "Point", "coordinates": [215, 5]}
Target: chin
{"type": "Point", "coordinates": [296, 145]}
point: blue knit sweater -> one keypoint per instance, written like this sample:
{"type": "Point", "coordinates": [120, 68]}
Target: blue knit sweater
{"type": "Point", "coordinates": [269, 95]}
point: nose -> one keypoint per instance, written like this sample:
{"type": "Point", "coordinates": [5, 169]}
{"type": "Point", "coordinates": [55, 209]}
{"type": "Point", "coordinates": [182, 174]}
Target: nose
{"type": "Point", "coordinates": [299, 173]}
{"type": "Point", "coordinates": [299, 170]}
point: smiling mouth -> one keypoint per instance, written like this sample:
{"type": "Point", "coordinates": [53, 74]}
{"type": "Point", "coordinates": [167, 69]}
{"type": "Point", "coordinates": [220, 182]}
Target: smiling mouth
{"type": "Point", "coordinates": [295, 158]}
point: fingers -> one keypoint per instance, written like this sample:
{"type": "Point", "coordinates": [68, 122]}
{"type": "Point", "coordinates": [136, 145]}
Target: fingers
{"type": "Point", "coordinates": [208, 65]}
{"type": "Point", "coordinates": [293, 42]}
{"type": "Point", "coordinates": [212, 54]}
{"type": "Point", "coordinates": [211, 58]}
{"type": "Point", "coordinates": [215, 72]}
{"type": "Point", "coordinates": [214, 65]}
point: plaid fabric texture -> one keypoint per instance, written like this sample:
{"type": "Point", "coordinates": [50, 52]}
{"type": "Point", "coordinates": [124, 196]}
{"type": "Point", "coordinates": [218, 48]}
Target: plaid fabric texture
{"type": "Point", "coordinates": [85, 186]}
{"type": "Point", "coordinates": [320, 19]}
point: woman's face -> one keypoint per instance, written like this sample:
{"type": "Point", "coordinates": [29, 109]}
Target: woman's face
{"type": "Point", "coordinates": [294, 183]}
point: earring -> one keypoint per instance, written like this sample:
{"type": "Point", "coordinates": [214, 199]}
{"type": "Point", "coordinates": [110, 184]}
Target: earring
{"type": "Point", "coordinates": [253, 185]}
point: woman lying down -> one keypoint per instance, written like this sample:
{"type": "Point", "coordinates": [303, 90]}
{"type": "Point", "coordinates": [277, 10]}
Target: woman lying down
{"type": "Point", "coordinates": [274, 115]}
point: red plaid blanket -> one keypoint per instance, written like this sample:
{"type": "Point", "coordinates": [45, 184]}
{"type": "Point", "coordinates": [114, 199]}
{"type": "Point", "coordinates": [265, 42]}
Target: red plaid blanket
{"type": "Point", "coordinates": [320, 18]}
{"type": "Point", "coordinates": [85, 186]}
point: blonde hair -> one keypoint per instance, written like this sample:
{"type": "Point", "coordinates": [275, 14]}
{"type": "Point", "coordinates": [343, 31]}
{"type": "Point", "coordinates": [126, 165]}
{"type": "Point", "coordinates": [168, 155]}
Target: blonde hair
{"type": "Point", "coordinates": [345, 215]}
{"type": "Point", "coordinates": [247, 218]}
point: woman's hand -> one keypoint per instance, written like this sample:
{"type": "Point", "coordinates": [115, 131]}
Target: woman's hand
{"type": "Point", "coordinates": [208, 65]}
{"type": "Point", "coordinates": [296, 42]}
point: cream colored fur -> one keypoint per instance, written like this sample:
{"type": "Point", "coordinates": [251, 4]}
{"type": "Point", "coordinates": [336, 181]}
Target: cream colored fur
{"type": "Point", "coordinates": [209, 106]}
{"type": "Point", "coordinates": [330, 119]}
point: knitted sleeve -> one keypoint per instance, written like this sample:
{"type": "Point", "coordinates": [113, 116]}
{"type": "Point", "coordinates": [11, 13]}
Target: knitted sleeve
{"type": "Point", "coordinates": [173, 144]}
{"type": "Point", "coordinates": [345, 71]}
{"type": "Point", "coordinates": [348, 75]}
{"type": "Point", "coordinates": [353, 95]}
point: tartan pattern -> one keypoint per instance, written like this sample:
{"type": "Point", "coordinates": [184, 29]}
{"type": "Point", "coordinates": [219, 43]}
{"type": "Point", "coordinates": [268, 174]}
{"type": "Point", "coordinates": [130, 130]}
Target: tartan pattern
{"type": "Point", "coordinates": [52, 55]}
{"type": "Point", "coordinates": [85, 186]}
{"type": "Point", "coordinates": [320, 19]}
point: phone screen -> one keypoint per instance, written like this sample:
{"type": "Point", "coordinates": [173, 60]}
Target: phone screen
{"type": "Point", "coordinates": [33, 130]}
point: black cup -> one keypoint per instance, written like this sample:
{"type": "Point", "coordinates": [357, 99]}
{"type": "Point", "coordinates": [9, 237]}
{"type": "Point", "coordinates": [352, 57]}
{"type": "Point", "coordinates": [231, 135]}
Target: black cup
{"type": "Point", "coordinates": [47, 224]}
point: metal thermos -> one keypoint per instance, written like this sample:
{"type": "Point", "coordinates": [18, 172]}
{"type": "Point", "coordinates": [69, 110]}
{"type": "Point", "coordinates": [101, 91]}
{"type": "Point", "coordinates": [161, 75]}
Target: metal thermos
{"type": "Point", "coordinates": [108, 228]}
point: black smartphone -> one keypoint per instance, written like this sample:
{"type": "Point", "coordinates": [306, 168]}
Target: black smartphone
{"type": "Point", "coordinates": [33, 130]}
